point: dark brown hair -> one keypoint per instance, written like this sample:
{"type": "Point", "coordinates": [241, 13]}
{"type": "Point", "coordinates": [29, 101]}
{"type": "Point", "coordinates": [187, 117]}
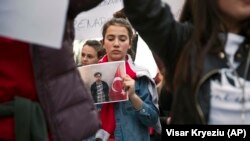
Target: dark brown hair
{"type": "Point", "coordinates": [207, 23]}
{"type": "Point", "coordinates": [120, 14]}
{"type": "Point", "coordinates": [97, 46]}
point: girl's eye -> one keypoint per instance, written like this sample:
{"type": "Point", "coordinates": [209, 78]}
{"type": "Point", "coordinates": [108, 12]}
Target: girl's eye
{"type": "Point", "coordinates": [120, 38]}
{"type": "Point", "coordinates": [110, 38]}
{"type": "Point", "coordinates": [90, 56]}
{"type": "Point", "coordinates": [123, 38]}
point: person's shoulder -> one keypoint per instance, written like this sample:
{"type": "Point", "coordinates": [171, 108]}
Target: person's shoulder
{"type": "Point", "coordinates": [140, 70]}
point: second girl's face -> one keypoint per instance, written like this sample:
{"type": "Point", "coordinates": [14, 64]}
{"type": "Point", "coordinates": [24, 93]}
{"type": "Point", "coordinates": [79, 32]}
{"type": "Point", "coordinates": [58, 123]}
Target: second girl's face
{"type": "Point", "coordinates": [116, 42]}
{"type": "Point", "coordinates": [235, 10]}
{"type": "Point", "coordinates": [89, 55]}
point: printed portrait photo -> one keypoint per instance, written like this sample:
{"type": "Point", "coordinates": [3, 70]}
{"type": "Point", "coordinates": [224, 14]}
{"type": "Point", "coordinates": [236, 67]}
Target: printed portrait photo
{"type": "Point", "coordinates": [104, 81]}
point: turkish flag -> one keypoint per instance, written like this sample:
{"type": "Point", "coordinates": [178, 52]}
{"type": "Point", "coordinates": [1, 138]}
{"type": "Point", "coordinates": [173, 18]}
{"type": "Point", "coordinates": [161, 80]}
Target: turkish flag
{"type": "Point", "coordinates": [117, 92]}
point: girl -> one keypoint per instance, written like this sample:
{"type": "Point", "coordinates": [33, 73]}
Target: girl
{"type": "Point", "coordinates": [130, 120]}
{"type": "Point", "coordinates": [92, 51]}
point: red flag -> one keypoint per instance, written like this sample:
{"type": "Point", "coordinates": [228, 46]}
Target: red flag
{"type": "Point", "coordinates": [117, 92]}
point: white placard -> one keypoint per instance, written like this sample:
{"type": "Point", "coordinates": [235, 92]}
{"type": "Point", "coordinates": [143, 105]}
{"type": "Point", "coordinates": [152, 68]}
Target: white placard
{"type": "Point", "coordinates": [36, 21]}
{"type": "Point", "coordinates": [88, 24]}
{"type": "Point", "coordinates": [144, 57]}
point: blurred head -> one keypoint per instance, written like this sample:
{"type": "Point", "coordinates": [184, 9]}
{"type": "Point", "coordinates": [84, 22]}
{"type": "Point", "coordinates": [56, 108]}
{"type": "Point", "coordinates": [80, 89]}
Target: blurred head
{"type": "Point", "coordinates": [92, 51]}
{"type": "Point", "coordinates": [117, 38]}
{"type": "Point", "coordinates": [219, 15]}
{"type": "Point", "coordinates": [235, 10]}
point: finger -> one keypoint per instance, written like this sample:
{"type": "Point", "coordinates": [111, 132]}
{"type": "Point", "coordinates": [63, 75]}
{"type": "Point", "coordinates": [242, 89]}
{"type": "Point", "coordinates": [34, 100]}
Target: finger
{"type": "Point", "coordinates": [126, 88]}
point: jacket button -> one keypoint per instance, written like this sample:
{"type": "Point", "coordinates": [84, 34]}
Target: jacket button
{"type": "Point", "coordinates": [247, 46]}
{"type": "Point", "coordinates": [222, 55]}
{"type": "Point", "coordinates": [238, 55]}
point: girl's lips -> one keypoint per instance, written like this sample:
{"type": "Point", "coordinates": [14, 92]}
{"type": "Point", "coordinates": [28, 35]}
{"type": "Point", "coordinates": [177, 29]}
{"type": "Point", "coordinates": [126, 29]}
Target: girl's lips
{"type": "Point", "coordinates": [116, 51]}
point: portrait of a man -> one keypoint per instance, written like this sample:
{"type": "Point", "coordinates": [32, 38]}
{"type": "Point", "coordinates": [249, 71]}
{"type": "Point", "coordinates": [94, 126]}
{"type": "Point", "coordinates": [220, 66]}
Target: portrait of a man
{"type": "Point", "coordinates": [99, 89]}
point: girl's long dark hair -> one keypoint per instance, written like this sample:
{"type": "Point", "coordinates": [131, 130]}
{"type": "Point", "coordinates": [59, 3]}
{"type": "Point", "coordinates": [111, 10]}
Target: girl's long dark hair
{"type": "Point", "coordinates": [207, 24]}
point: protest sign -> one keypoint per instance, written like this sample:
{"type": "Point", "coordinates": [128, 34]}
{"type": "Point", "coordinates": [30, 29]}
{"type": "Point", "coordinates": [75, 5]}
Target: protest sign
{"type": "Point", "coordinates": [88, 24]}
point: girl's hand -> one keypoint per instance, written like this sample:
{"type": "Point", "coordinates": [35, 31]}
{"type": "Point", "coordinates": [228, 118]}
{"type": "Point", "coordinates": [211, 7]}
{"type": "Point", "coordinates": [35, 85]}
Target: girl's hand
{"type": "Point", "coordinates": [129, 85]}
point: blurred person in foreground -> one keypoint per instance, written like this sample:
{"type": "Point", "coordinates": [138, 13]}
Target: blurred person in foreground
{"type": "Point", "coordinates": [207, 57]}
{"type": "Point", "coordinates": [41, 87]}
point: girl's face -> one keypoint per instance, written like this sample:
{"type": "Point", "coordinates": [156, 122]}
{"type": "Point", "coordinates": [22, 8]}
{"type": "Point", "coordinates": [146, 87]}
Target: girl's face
{"type": "Point", "coordinates": [235, 10]}
{"type": "Point", "coordinates": [116, 42]}
{"type": "Point", "coordinates": [89, 55]}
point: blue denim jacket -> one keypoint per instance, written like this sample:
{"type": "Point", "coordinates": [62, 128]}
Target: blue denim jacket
{"type": "Point", "coordinates": [132, 125]}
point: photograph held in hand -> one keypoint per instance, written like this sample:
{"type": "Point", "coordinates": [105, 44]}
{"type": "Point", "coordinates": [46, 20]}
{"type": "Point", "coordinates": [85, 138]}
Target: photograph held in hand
{"type": "Point", "coordinates": [104, 81]}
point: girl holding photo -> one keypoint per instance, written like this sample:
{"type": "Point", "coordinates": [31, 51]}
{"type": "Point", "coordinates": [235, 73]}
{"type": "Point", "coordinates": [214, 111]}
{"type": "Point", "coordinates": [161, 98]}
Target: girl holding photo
{"type": "Point", "coordinates": [128, 120]}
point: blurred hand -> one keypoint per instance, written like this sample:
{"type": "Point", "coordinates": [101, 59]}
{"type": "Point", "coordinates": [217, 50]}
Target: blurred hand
{"type": "Point", "coordinates": [77, 6]}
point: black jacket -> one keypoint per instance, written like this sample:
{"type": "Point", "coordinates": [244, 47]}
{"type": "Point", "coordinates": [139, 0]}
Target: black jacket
{"type": "Point", "coordinates": [93, 89]}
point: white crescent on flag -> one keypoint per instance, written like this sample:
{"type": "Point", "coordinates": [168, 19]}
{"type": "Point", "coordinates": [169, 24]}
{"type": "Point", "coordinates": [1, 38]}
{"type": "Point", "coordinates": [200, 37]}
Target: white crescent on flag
{"type": "Point", "coordinates": [115, 79]}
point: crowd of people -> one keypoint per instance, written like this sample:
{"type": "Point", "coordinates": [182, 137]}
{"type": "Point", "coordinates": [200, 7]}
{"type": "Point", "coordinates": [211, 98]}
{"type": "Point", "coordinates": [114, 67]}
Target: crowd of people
{"type": "Point", "coordinates": [203, 75]}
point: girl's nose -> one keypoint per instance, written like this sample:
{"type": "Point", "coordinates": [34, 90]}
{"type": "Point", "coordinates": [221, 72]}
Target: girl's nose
{"type": "Point", "coordinates": [116, 42]}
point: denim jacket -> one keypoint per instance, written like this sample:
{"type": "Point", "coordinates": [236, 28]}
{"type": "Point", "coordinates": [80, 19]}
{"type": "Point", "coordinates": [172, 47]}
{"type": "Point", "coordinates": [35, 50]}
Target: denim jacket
{"type": "Point", "coordinates": [132, 124]}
